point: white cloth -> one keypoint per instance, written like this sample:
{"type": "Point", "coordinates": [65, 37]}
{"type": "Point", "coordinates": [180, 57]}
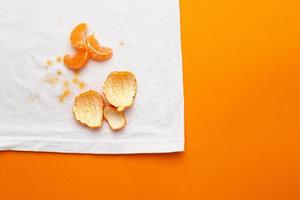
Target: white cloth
{"type": "Point", "coordinates": [34, 31]}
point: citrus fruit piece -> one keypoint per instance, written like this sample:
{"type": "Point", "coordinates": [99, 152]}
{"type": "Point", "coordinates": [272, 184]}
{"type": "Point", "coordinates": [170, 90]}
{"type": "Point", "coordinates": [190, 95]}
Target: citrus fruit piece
{"type": "Point", "coordinates": [77, 61]}
{"type": "Point", "coordinates": [116, 120]}
{"type": "Point", "coordinates": [77, 37]}
{"type": "Point", "coordinates": [88, 109]}
{"type": "Point", "coordinates": [96, 51]}
{"type": "Point", "coordinates": [120, 89]}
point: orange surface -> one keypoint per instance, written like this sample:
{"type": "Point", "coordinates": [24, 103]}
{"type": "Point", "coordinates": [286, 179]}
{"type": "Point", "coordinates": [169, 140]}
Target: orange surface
{"type": "Point", "coordinates": [242, 94]}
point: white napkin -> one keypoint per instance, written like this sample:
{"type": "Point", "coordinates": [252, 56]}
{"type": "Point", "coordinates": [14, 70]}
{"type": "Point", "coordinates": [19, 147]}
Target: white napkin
{"type": "Point", "coordinates": [145, 37]}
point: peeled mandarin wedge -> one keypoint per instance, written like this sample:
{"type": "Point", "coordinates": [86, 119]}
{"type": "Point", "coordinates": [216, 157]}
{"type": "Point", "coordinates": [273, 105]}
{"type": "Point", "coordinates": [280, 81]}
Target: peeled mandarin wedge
{"type": "Point", "coordinates": [96, 51]}
{"type": "Point", "coordinates": [77, 61]}
{"type": "Point", "coordinates": [77, 37]}
{"type": "Point", "coordinates": [88, 109]}
{"type": "Point", "coordinates": [116, 120]}
{"type": "Point", "coordinates": [120, 89]}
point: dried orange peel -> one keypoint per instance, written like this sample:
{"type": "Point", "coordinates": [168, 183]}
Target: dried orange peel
{"type": "Point", "coordinates": [120, 89]}
{"type": "Point", "coordinates": [77, 37]}
{"type": "Point", "coordinates": [96, 51]}
{"type": "Point", "coordinates": [88, 109]}
{"type": "Point", "coordinates": [116, 120]}
{"type": "Point", "coordinates": [77, 61]}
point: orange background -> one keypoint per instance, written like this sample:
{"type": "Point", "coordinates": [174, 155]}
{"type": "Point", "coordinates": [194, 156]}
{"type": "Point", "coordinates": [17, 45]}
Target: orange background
{"type": "Point", "coordinates": [242, 94]}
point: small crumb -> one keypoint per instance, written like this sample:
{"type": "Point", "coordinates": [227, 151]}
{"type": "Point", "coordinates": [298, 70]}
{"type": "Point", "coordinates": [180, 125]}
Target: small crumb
{"type": "Point", "coordinates": [33, 98]}
{"type": "Point", "coordinates": [49, 63]}
{"type": "Point", "coordinates": [121, 43]}
{"type": "Point", "coordinates": [75, 80]}
{"type": "Point", "coordinates": [51, 79]}
{"type": "Point", "coordinates": [64, 95]}
{"type": "Point", "coordinates": [66, 83]}
{"type": "Point", "coordinates": [59, 59]}
{"type": "Point", "coordinates": [81, 85]}
{"type": "Point", "coordinates": [59, 72]}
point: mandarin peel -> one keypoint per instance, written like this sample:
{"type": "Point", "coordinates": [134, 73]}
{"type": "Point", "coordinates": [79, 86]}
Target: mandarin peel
{"type": "Point", "coordinates": [115, 119]}
{"type": "Point", "coordinates": [120, 89]}
{"type": "Point", "coordinates": [88, 109]}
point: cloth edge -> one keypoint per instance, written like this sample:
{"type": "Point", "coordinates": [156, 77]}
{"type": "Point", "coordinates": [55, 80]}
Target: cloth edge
{"type": "Point", "coordinates": [128, 146]}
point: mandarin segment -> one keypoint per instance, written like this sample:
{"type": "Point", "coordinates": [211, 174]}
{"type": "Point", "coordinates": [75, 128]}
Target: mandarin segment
{"type": "Point", "coordinates": [77, 61]}
{"type": "Point", "coordinates": [88, 109]}
{"type": "Point", "coordinates": [116, 120]}
{"type": "Point", "coordinates": [77, 37]}
{"type": "Point", "coordinates": [96, 51]}
{"type": "Point", "coordinates": [120, 89]}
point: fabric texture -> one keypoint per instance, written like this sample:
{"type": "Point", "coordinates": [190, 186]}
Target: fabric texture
{"type": "Point", "coordinates": [145, 37]}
